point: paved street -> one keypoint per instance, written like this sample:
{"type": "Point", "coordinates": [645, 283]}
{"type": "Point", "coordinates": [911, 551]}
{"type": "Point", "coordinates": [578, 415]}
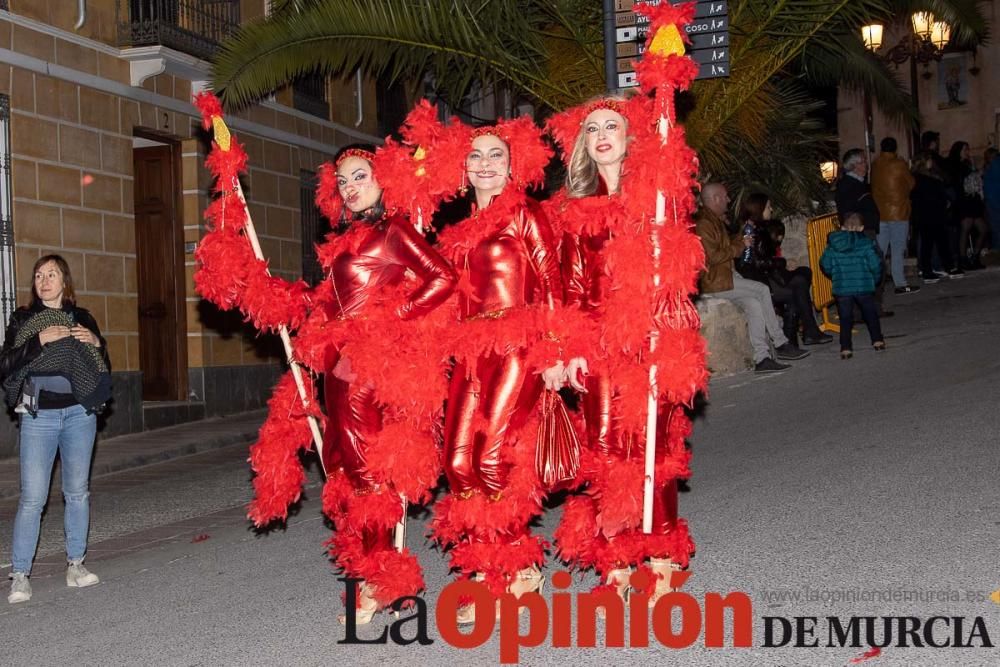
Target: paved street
{"type": "Point", "coordinates": [873, 480]}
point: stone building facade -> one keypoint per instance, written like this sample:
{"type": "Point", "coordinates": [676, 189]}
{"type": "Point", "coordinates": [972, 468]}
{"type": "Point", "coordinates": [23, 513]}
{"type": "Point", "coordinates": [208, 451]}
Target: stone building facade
{"type": "Point", "coordinates": [973, 118]}
{"type": "Point", "coordinates": [105, 163]}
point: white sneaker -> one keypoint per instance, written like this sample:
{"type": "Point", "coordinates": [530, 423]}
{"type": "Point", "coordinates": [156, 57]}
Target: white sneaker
{"type": "Point", "coordinates": [77, 576]}
{"type": "Point", "coordinates": [20, 589]}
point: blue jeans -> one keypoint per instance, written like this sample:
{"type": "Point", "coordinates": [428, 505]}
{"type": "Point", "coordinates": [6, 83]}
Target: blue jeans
{"type": "Point", "coordinates": [892, 236]}
{"type": "Point", "coordinates": [869, 311]}
{"type": "Point", "coordinates": [71, 431]}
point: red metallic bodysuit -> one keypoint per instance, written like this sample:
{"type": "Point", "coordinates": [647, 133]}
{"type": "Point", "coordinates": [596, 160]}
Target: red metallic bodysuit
{"type": "Point", "coordinates": [586, 281]}
{"type": "Point", "coordinates": [391, 249]}
{"type": "Point", "coordinates": [512, 267]}
{"type": "Point", "coordinates": [509, 267]}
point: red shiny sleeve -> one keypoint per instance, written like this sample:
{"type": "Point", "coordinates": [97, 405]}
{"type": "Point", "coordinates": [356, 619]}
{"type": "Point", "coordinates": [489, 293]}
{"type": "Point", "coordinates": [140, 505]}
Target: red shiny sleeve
{"type": "Point", "coordinates": [573, 277]}
{"type": "Point", "coordinates": [437, 277]}
{"type": "Point", "coordinates": [540, 242]}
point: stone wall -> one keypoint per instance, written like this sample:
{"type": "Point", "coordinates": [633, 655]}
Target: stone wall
{"type": "Point", "coordinates": [725, 330]}
{"type": "Point", "coordinates": [76, 118]}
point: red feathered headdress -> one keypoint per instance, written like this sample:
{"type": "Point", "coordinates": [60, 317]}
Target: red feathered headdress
{"type": "Point", "coordinates": [328, 198]}
{"type": "Point", "coordinates": [416, 174]}
{"type": "Point", "coordinates": [529, 154]}
{"type": "Point", "coordinates": [564, 127]}
{"type": "Point", "coordinates": [420, 172]}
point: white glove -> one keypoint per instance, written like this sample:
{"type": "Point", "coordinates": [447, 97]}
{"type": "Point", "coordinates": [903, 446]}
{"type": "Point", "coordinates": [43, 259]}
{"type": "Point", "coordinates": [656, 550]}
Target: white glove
{"type": "Point", "coordinates": [554, 376]}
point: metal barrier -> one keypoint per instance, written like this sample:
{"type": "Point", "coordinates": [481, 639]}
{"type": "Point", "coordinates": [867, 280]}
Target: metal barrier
{"type": "Point", "coordinates": [822, 288]}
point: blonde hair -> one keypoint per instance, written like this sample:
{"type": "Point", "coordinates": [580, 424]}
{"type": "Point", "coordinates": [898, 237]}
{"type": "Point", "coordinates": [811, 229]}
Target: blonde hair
{"type": "Point", "coordinates": [581, 174]}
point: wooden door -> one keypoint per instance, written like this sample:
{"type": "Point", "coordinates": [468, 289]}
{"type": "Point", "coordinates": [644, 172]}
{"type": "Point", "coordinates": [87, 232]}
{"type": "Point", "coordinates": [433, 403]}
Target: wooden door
{"type": "Point", "coordinates": [160, 271]}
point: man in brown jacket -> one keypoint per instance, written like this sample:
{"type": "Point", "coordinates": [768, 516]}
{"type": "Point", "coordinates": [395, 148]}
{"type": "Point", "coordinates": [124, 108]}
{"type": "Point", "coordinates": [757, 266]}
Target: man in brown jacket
{"type": "Point", "coordinates": [891, 186]}
{"type": "Point", "coordinates": [720, 280]}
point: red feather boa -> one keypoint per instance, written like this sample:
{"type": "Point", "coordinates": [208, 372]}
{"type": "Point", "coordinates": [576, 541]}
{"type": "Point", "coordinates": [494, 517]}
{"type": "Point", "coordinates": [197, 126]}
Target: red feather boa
{"type": "Point", "coordinates": [602, 529]}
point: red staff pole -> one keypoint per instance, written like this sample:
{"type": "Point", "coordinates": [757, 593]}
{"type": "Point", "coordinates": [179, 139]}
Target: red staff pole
{"type": "Point", "coordinates": [222, 138]}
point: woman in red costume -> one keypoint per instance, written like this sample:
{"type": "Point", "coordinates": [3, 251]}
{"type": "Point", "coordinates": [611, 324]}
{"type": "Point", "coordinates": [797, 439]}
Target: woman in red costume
{"type": "Point", "coordinates": [384, 249]}
{"type": "Point", "coordinates": [601, 528]}
{"type": "Point", "coordinates": [509, 271]}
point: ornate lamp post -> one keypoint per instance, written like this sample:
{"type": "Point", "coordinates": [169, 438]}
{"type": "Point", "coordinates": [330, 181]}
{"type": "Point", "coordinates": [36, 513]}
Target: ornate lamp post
{"type": "Point", "coordinates": [927, 42]}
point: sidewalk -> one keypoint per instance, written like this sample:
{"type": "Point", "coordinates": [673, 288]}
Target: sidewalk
{"type": "Point", "coordinates": [139, 449]}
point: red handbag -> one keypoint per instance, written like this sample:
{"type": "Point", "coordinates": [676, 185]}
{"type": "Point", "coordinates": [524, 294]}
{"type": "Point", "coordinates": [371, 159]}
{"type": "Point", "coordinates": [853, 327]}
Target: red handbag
{"type": "Point", "coordinates": [557, 450]}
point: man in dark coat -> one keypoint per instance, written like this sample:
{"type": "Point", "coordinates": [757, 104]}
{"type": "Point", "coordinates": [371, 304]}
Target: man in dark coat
{"type": "Point", "coordinates": [854, 195]}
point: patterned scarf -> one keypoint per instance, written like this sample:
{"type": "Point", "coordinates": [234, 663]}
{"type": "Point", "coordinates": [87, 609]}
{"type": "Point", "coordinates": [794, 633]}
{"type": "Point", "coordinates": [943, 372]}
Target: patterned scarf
{"type": "Point", "coordinates": [81, 363]}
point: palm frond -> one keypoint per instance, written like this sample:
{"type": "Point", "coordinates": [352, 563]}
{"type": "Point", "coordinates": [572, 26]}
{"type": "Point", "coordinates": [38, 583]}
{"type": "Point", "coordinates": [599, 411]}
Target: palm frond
{"type": "Point", "coordinates": [853, 67]}
{"type": "Point", "coordinates": [966, 18]}
{"type": "Point", "coordinates": [785, 164]}
{"type": "Point", "coordinates": [574, 46]}
{"type": "Point", "coordinates": [766, 38]}
{"type": "Point", "coordinates": [458, 41]}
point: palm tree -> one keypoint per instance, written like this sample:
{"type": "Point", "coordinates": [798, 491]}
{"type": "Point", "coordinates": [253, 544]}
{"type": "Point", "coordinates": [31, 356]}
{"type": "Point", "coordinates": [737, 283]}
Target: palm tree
{"type": "Point", "coordinates": [758, 123]}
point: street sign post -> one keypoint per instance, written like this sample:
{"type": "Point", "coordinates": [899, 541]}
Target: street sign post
{"type": "Point", "coordinates": [709, 35]}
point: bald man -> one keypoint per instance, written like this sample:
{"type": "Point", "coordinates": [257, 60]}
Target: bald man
{"type": "Point", "coordinates": [722, 281]}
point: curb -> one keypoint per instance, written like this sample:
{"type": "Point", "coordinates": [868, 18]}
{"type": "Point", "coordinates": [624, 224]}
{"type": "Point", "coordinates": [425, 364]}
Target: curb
{"type": "Point", "coordinates": [112, 462]}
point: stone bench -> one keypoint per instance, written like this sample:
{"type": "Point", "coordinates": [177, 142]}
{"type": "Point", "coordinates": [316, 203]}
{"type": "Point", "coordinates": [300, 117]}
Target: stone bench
{"type": "Point", "coordinates": [725, 330]}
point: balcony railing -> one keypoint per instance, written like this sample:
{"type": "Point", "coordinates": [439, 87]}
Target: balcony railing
{"type": "Point", "coordinates": [196, 27]}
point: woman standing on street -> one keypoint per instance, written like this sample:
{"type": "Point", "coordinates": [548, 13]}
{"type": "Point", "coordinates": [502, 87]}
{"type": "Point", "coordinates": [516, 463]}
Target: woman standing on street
{"type": "Point", "coordinates": [969, 210]}
{"type": "Point", "coordinates": [507, 260]}
{"type": "Point", "coordinates": [57, 375]}
{"type": "Point", "coordinates": [604, 250]}
{"type": "Point", "coordinates": [368, 266]}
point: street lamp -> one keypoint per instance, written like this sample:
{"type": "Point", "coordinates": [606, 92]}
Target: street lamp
{"type": "Point", "coordinates": [828, 170]}
{"type": "Point", "coordinates": [872, 34]}
{"type": "Point", "coordinates": [922, 22]}
{"type": "Point", "coordinates": [926, 43]}
{"type": "Point", "coordinates": [940, 34]}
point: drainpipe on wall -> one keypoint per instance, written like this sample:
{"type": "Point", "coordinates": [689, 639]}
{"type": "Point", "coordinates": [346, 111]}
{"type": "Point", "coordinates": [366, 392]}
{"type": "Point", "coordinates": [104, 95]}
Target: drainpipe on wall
{"type": "Point", "coordinates": [358, 96]}
{"type": "Point", "coordinates": [81, 14]}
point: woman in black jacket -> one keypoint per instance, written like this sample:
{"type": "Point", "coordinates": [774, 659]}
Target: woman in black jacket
{"type": "Point", "coordinates": [930, 217]}
{"type": "Point", "coordinates": [969, 210]}
{"type": "Point", "coordinates": [789, 289]}
{"type": "Point", "coordinates": [56, 373]}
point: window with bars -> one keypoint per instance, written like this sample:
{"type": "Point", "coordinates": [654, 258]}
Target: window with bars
{"type": "Point", "coordinates": [8, 287]}
{"type": "Point", "coordinates": [391, 106]}
{"type": "Point", "coordinates": [309, 95]}
{"type": "Point", "coordinates": [312, 227]}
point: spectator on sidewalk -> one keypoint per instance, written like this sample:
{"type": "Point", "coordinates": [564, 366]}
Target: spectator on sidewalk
{"type": "Point", "coordinates": [930, 218]}
{"type": "Point", "coordinates": [968, 211]}
{"type": "Point", "coordinates": [892, 183]}
{"type": "Point", "coordinates": [854, 265]}
{"type": "Point", "coordinates": [991, 195]}
{"type": "Point", "coordinates": [853, 194]}
{"type": "Point", "coordinates": [721, 280]}
{"type": "Point", "coordinates": [56, 374]}
{"type": "Point", "coordinates": [789, 289]}
{"type": "Point", "coordinates": [930, 143]}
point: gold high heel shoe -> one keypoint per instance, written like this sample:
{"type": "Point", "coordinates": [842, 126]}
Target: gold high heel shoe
{"type": "Point", "coordinates": [367, 607]}
{"type": "Point", "coordinates": [467, 615]}
{"type": "Point", "coordinates": [528, 580]}
{"type": "Point", "coordinates": [664, 568]}
{"type": "Point", "coordinates": [619, 578]}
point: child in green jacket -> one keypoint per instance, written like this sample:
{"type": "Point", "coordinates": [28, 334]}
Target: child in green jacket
{"type": "Point", "coordinates": [855, 266]}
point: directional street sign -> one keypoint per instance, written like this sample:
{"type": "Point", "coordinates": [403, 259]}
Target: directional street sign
{"type": "Point", "coordinates": [709, 35]}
